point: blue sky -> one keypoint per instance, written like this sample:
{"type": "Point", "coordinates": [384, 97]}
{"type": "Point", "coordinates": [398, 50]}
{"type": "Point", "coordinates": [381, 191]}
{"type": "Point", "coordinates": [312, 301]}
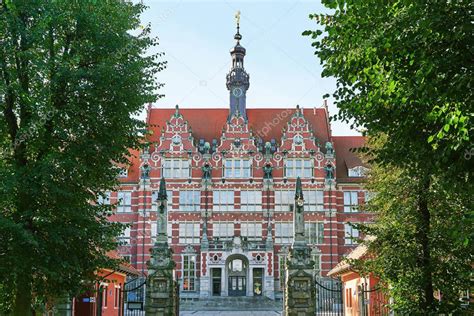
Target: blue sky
{"type": "Point", "coordinates": [196, 37]}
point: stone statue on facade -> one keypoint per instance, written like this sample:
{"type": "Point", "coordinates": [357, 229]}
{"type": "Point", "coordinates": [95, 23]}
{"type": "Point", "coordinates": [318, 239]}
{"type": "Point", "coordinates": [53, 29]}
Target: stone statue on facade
{"type": "Point", "coordinates": [329, 172]}
{"type": "Point", "coordinates": [329, 149]}
{"type": "Point", "coordinates": [146, 171]}
{"type": "Point", "coordinates": [206, 171]}
{"type": "Point", "coordinates": [267, 172]}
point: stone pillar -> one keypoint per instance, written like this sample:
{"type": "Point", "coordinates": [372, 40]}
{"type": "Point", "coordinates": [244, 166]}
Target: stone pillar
{"type": "Point", "coordinates": [300, 290]}
{"type": "Point", "coordinates": [162, 291]}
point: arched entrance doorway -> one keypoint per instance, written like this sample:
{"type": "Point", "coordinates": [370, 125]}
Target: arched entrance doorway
{"type": "Point", "coordinates": [237, 271]}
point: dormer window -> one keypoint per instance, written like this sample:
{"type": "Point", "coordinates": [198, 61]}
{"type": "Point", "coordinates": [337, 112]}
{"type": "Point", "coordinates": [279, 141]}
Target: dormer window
{"type": "Point", "coordinates": [237, 168]}
{"type": "Point", "coordinates": [358, 171]}
{"type": "Point", "coordinates": [298, 168]}
{"type": "Point", "coordinates": [123, 173]}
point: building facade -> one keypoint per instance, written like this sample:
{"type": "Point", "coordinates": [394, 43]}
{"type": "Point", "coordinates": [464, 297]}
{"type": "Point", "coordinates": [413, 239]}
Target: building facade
{"type": "Point", "coordinates": [230, 178]}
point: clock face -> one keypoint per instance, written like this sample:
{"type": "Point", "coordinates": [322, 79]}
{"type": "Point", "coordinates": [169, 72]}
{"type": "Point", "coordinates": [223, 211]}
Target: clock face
{"type": "Point", "coordinates": [237, 92]}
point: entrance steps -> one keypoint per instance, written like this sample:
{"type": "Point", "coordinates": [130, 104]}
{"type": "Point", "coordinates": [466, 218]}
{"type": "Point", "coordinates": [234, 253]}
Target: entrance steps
{"type": "Point", "coordinates": [231, 303]}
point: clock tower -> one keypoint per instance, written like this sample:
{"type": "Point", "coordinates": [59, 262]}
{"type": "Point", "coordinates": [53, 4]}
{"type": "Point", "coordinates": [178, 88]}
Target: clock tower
{"type": "Point", "coordinates": [237, 79]}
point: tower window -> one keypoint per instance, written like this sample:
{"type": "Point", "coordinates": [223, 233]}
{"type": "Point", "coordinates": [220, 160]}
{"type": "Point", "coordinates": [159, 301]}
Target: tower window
{"type": "Point", "coordinates": [298, 168]}
{"type": "Point", "coordinates": [124, 238]}
{"type": "Point", "coordinates": [175, 168]}
{"type": "Point", "coordinates": [237, 168]}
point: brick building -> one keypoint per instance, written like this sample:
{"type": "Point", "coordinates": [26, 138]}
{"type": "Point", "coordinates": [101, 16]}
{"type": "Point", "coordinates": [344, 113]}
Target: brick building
{"type": "Point", "coordinates": [230, 178]}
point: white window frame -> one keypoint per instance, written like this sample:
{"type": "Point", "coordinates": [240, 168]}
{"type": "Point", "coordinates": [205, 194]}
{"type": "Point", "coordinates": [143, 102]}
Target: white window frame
{"type": "Point", "coordinates": [298, 167]}
{"type": "Point", "coordinates": [175, 168]}
{"type": "Point", "coordinates": [189, 233]}
{"type": "Point", "coordinates": [223, 230]}
{"type": "Point", "coordinates": [318, 228]}
{"type": "Point", "coordinates": [124, 237]}
{"type": "Point", "coordinates": [281, 195]}
{"type": "Point", "coordinates": [223, 200]}
{"type": "Point", "coordinates": [237, 168]}
{"type": "Point", "coordinates": [251, 230]}
{"type": "Point", "coordinates": [313, 200]}
{"type": "Point", "coordinates": [283, 232]}
{"type": "Point", "coordinates": [251, 201]}
{"type": "Point", "coordinates": [317, 263]}
{"type": "Point", "coordinates": [349, 233]}
{"type": "Point", "coordinates": [189, 272]}
{"type": "Point", "coordinates": [104, 200]}
{"type": "Point", "coordinates": [357, 172]}
{"type": "Point", "coordinates": [351, 201]}
{"type": "Point", "coordinates": [189, 200]}
{"type": "Point", "coordinates": [124, 201]}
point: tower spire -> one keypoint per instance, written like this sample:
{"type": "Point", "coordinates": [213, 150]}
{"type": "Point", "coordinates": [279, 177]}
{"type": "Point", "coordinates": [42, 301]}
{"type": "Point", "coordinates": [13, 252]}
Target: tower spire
{"type": "Point", "coordinates": [237, 79]}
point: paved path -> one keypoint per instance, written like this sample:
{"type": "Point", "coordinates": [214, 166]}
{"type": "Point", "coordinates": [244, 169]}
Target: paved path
{"type": "Point", "coordinates": [229, 313]}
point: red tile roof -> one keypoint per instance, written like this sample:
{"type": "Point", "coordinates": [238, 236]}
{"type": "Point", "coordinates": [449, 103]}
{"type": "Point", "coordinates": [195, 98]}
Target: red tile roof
{"type": "Point", "coordinates": [345, 158]}
{"type": "Point", "coordinates": [265, 122]}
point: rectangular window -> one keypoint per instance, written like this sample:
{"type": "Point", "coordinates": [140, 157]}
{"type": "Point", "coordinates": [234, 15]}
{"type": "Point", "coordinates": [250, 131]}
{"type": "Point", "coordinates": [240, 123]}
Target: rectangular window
{"type": "Point", "coordinates": [237, 168]}
{"type": "Point", "coordinates": [223, 229]}
{"type": "Point", "coordinates": [251, 201]}
{"type": "Point", "coordinates": [104, 290]}
{"type": "Point", "coordinates": [284, 200]}
{"type": "Point", "coordinates": [104, 199]}
{"type": "Point", "coordinates": [189, 233]}
{"type": "Point", "coordinates": [116, 297]}
{"type": "Point", "coordinates": [175, 168]}
{"type": "Point", "coordinates": [189, 272]}
{"type": "Point", "coordinates": [251, 230]}
{"type": "Point", "coordinates": [313, 200]}
{"type": "Point", "coordinates": [189, 201]}
{"type": "Point", "coordinates": [314, 232]}
{"type": "Point", "coordinates": [223, 200]}
{"type": "Point", "coordinates": [124, 238]}
{"type": "Point", "coordinates": [350, 201]}
{"type": "Point", "coordinates": [349, 233]}
{"type": "Point", "coordinates": [317, 264]}
{"type": "Point", "coordinates": [124, 199]}
{"type": "Point", "coordinates": [298, 168]}
{"type": "Point", "coordinates": [283, 232]}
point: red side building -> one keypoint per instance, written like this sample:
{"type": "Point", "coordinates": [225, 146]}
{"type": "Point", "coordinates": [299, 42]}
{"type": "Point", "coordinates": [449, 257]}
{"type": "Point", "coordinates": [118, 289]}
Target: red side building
{"type": "Point", "coordinates": [231, 231]}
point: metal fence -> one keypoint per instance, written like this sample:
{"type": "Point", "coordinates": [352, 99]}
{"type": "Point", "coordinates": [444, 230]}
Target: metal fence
{"type": "Point", "coordinates": [329, 297]}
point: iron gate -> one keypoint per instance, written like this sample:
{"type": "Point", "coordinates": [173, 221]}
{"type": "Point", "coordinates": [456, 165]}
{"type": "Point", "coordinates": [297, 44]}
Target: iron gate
{"type": "Point", "coordinates": [329, 298]}
{"type": "Point", "coordinates": [132, 298]}
{"type": "Point", "coordinates": [372, 302]}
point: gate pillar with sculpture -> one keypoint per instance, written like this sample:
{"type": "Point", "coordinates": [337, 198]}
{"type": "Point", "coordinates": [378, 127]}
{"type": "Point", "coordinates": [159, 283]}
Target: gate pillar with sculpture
{"type": "Point", "coordinates": [162, 292]}
{"type": "Point", "coordinates": [299, 291]}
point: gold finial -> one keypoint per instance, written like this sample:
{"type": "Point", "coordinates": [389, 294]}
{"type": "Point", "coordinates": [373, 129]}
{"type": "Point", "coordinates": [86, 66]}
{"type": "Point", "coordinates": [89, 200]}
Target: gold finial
{"type": "Point", "coordinates": [237, 17]}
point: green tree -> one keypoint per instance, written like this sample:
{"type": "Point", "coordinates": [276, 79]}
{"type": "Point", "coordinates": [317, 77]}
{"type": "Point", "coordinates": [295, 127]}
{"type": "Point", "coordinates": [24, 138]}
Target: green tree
{"type": "Point", "coordinates": [404, 71]}
{"type": "Point", "coordinates": [400, 230]}
{"type": "Point", "coordinates": [73, 74]}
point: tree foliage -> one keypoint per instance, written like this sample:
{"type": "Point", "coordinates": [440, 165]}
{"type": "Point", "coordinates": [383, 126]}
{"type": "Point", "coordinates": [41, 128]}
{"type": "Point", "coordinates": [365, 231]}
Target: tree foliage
{"type": "Point", "coordinates": [397, 251]}
{"type": "Point", "coordinates": [404, 75]}
{"type": "Point", "coordinates": [72, 76]}
{"type": "Point", "coordinates": [404, 69]}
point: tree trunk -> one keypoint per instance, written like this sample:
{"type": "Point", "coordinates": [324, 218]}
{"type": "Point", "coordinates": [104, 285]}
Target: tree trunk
{"type": "Point", "coordinates": [426, 304]}
{"type": "Point", "coordinates": [22, 305]}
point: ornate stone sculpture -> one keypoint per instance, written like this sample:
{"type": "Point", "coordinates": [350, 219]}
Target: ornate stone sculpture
{"type": "Point", "coordinates": [146, 171]}
{"type": "Point", "coordinates": [329, 172]}
{"type": "Point", "coordinates": [329, 149]}
{"type": "Point", "coordinates": [206, 171]}
{"type": "Point", "coordinates": [267, 172]}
